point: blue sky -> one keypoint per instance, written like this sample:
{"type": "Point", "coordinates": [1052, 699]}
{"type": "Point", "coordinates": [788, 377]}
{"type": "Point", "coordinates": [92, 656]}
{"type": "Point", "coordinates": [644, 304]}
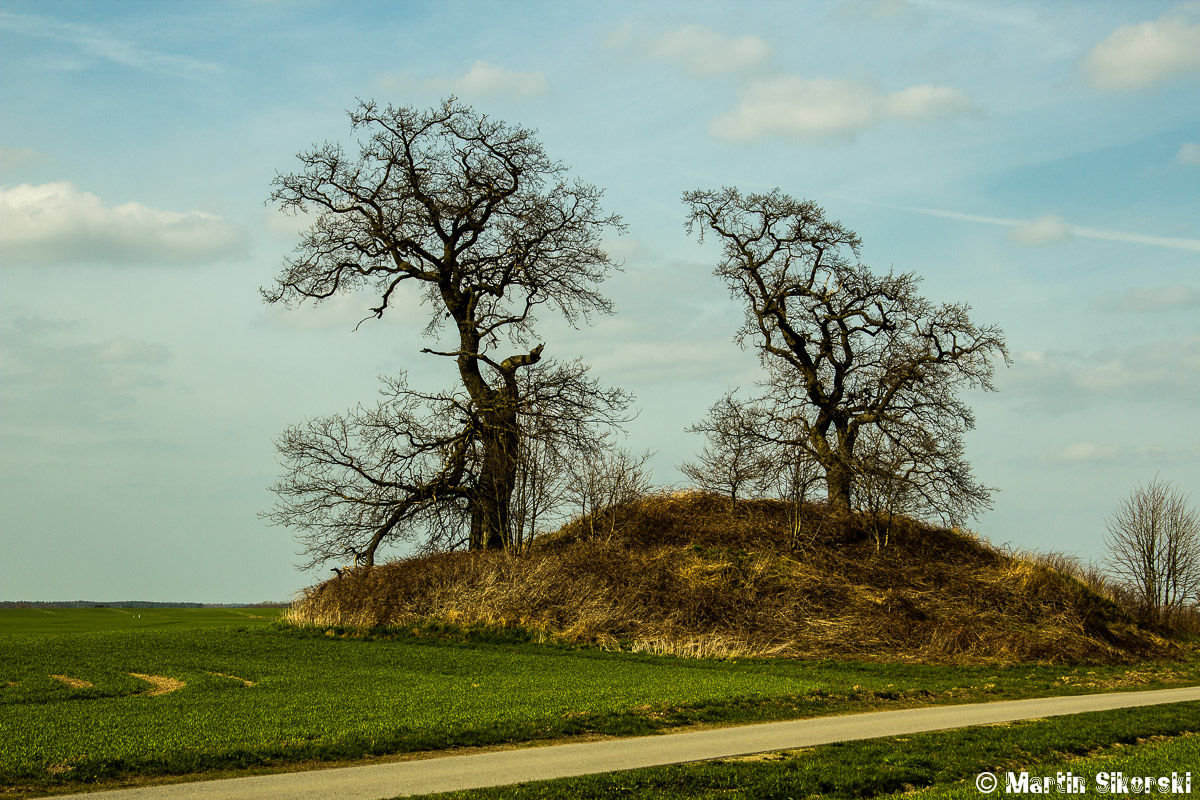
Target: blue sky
{"type": "Point", "coordinates": [1038, 161]}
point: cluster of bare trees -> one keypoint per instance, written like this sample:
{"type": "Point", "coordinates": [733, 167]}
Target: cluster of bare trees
{"type": "Point", "coordinates": [863, 374]}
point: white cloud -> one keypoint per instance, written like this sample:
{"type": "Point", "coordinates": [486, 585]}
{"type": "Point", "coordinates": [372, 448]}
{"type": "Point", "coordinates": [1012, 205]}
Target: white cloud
{"type": "Point", "coordinates": [704, 52]}
{"type": "Point", "coordinates": [101, 45]}
{"type": "Point", "coordinates": [929, 102]}
{"type": "Point", "coordinates": [47, 372]}
{"type": "Point", "coordinates": [1164, 371]}
{"type": "Point", "coordinates": [1189, 154]}
{"type": "Point", "coordinates": [288, 223]}
{"type": "Point", "coordinates": [1152, 299]}
{"type": "Point", "coordinates": [1049, 226]}
{"type": "Point", "coordinates": [1085, 451]}
{"type": "Point", "coordinates": [481, 80]}
{"type": "Point", "coordinates": [13, 157]}
{"type": "Point", "coordinates": [798, 107]}
{"type": "Point", "coordinates": [700, 51]}
{"type": "Point", "coordinates": [827, 109]}
{"type": "Point", "coordinates": [56, 223]}
{"type": "Point", "coordinates": [1045, 229]}
{"type": "Point", "coordinates": [344, 312]}
{"type": "Point", "coordinates": [1147, 54]}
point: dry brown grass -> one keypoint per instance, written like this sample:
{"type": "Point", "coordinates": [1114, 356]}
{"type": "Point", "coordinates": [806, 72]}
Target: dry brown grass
{"type": "Point", "coordinates": [689, 574]}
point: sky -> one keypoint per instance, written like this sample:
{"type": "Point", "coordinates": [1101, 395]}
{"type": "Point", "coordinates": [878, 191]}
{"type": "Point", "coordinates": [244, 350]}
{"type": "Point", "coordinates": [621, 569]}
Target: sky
{"type": "Point", "coordinates": [1038, 161]}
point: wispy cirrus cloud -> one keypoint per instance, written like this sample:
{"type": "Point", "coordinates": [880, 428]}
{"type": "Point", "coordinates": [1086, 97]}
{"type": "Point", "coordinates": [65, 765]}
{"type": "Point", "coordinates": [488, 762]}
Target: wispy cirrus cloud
{"type": "Point", "coordinates": [1147, 54]}
{"type": "Point", "coordinates": [827, 109]}
{"type": "Point", "coordinates": [881, 11]}
{"type": "Point", "coordinates": [103, 46]}
{"type": "Point", "coordinates": [481, 80]}
{"type": "Point", "coordinates": [1043, 230]}
{"type": "Point", "coordinates": [1051, 228]}
{"type": "Point", "coordinates": [56, 223]}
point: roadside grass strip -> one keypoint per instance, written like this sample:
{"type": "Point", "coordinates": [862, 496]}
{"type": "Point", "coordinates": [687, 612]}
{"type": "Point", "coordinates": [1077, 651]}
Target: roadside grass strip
{"type": "Point", "coordinates": [1149, 741]}
{"type": "Point", "coordinates": [268, 696]}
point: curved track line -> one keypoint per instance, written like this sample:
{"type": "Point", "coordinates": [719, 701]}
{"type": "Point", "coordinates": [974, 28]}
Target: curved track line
{"type": "Point", "coordinates": [74, 683]}
{"type": "Point", "coordinates": [245, 682]}
{"type": "Point", "coordinates": [161, 683]}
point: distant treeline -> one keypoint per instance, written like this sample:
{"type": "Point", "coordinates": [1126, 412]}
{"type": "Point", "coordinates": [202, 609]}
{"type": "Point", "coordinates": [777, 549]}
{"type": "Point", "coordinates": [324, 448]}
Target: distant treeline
{"type": "Point", "coordinates": [130, 604]}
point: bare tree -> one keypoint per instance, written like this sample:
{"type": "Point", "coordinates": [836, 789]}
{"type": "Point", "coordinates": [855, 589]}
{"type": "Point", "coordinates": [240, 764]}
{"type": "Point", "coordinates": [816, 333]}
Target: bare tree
{"type": "Point", "coordinates": [604, 480]}
{"type": "Point", "coordinates": [472, 213]}
{"type": "Point", "coordinates": [406, 470]}
{"type": "Point", "coordinates": [1154, 547]}
{"type": "Point", "coordinates": [735, 457]}
{"type": "Point", "coordinates": [847, 350]}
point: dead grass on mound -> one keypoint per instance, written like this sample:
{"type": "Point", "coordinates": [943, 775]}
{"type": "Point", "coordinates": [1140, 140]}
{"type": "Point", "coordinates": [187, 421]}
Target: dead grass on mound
{"type": "Point", "coordinates": [693, 575]}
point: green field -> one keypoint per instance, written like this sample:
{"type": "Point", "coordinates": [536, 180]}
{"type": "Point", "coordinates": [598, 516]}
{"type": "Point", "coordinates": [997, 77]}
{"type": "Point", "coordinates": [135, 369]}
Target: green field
{"type": "Point", "coordinates": [86, 620]}
{"type": "Point", "coordinates": [226, 690]}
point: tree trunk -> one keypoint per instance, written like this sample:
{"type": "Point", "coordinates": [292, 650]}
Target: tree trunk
{"type": "Point", "coordinates": [491, 524]}
{"type": "Point", "coordinates": [837, 479]}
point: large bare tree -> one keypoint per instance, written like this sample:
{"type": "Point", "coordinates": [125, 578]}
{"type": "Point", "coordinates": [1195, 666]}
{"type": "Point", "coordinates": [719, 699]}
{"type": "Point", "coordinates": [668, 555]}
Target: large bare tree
{"type": "Point", "coordinates": [472, 213]}
{"type": "Point", "coordinates": [849, 351]}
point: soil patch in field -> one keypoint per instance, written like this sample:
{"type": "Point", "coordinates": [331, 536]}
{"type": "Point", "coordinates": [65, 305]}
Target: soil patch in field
{"type": "Point", "coordinates": [74, 683]}
{"type": "Point", "coordinates": [161, 683]}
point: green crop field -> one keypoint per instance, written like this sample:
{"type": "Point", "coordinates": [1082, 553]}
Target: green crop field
{"type": "Point", "coordinates": [127, 694]}
{"type": "Point", "coordinates": [83, 620]}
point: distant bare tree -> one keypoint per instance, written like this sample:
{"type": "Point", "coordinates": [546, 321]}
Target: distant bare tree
{"type": "Point", "coordinates": [471, 214]}
{"type": "Point", "coordinates": [736, 458]}
{"type": "Point", "coordinates": [796, 477]}
{"type": "Point", "coordinates": [847, 350]}
{"type": "Point", "coordinates": [1154, 547]}
{"type": "Point", "coordinates": [603, 480]}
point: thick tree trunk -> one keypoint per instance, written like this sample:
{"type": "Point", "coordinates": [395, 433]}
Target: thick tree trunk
{"type": "Point", "coordinates": [838, 480]}
{"type": "Point", "coordinates": [491, 528]}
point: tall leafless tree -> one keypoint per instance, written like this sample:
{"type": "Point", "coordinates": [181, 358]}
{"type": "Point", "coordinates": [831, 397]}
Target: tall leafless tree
{"type": "Point", "coordinates": [847, 350]}
{"type": "Point", "coordinates": [1154, 547]}
{"type": "Point", "coordinates": [471, 213]}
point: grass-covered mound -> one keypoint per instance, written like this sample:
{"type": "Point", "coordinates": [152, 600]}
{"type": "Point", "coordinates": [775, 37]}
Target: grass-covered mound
{"type": "Point", "coordinates": [689, 573]}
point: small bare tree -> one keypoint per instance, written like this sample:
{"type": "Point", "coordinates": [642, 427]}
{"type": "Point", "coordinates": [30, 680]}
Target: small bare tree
{"type": "Point", "coordinates": [736, 457]}
{"type": "Point", "coordinates": [1154, 547]}
{"type": "Point", "coordinates": [603, 480]}
{"type": "Point", "coordinates": [796, 476]}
